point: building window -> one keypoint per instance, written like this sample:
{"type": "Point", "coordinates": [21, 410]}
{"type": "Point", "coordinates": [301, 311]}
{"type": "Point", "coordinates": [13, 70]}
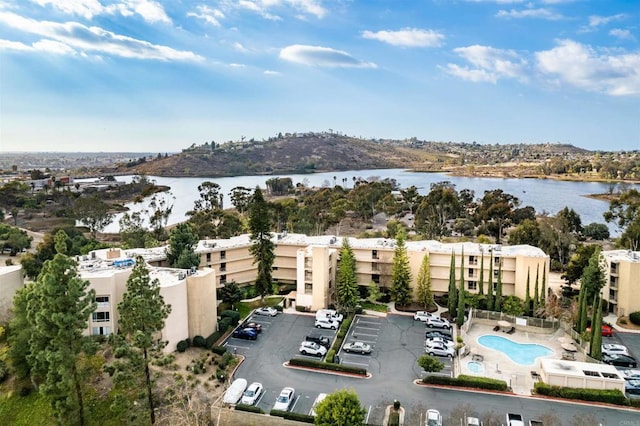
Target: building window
{"type": "Point", "coordinates": [375, 278]}
{"type": "Point", "coordinates": [473, 260]}
{"type": "Point", "coordinates": [472, 285]}
{"type": "Point", "coordinates": [274, 268]}
{"type": "Point", "coordinates": [613, 281]}
{"type": "Point", "coordinates": [614, 268]}
{"type": "Point", "coordinates": [308, 287]}
{"type": "Point", "coordinates": [496, 261]}
{"type": "Point", "coordinates": [495, 274]}
{"type": "Point", "coordinates": [100, 317]}
{"type": "Point", "coordinates": [223, 279]}
{"type": "Point", "coordinates": [495, 287]}
{"type": "Point", "coordinates": [223, 255]}
{"type": "Point", "coordinates": [375, 266]}
{"type": "Point", "coordinates": [208, 257]}
{"type": "Point", "coordinates": [223, 267]}
{"type": "Point", "coordinates": [471, 272]}
{"type": "Point", "coordinates": [100, 331]}
{"type": "Point", "coordinates": [102, 301]}
{"type": "Point", "coordinates": [374, 254]}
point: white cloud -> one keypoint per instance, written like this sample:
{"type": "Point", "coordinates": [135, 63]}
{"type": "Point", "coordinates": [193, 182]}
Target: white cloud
{"type": "Point", "coordinates": [14, 45]}
{"type": "Point", "coordinates": [321, 57]}
{"type": "Point", "coordinates": [489, 64]}
{"type": "Point", "coordinates": [496, 1]}
{"type": "Point", "coordinates": [149, 10]}
{"type": "Point", "coordinates": [407, 37]}
{"type": "Point", "coordinates": [85, 8]}
{"type": "Point", "coordinates": [271, 72]}
{"type": "Point", "coordinates": [95, 40]}
{"type": "Point", "coordinates": [596, 21]}
{"type": "Point", "coordinates": [239, 47]}
{"type": "Point", "coordinates": [622, 34]}
{"type": "Point", "coordinates": [207, 14]}
{"type": "Point", "coordinates": [541, 13]}
{"type": "Point", "coordinates": [234, 65]}
{"type": "Point", "coordinates": [265, 8]}
{"type": "Point", "coordinates": [589, 69]}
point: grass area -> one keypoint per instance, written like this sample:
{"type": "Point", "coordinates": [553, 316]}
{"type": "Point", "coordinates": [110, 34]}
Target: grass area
{"type": "Point", "coordinates": [374, 306]}
{"type": "Point", "coordinates": [32, 410]}
{"type": "Point", "coordinates": [245, 308]}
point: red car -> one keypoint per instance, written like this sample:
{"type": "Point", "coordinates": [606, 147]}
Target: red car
{"type": "Point", "coordinates": [607, 331]}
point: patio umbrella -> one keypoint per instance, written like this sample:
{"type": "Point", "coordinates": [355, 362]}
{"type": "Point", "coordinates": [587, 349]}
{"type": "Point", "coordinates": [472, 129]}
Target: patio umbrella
{"type": "Point", "coordinates": [504, 324]}
{"type": "Point", "coordinates": [569, 347]}
{"type": "Point", "coordinates": [565, 339]}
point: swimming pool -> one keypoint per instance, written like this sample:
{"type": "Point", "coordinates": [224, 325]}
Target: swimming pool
{"type": "Point", "coordinates": [475, 367]}
{"type": "Point", "coordinates": [520, 353]}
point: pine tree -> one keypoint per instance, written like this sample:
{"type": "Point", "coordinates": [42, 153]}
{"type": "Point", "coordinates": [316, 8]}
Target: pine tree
{"type": "Point", "coordinates": [490, 299]}
{"type": "Point", "coordinates": [346, 280]}
{"type": "Point", "coordinates": [58, 313]}
{"type": "Point", "coordinates": [460, 310]}
{"type": "Point", "coordinates": [498, 301]}
{"type": "Point", "coordinates": [401, 272]}
{"type": "Point", "coordinates": [142, 316]}
{"type": "Point", "coordinates": [481, 280]}
{"type": "Point", "coordinates": [596, 330]}
{"type": "Point", "coordinates": [452, 304]}
{"type": "Point", "coordinates": [527, 297]}
{"type": "Point", "coordinates": [262, 248]}
{"type": "Point", "coordinates": [425, 294]}
{"type": "Point", "coordinates": [182, 242]}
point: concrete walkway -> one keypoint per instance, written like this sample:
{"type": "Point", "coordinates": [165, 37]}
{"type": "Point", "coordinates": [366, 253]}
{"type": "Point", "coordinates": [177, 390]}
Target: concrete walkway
{"type": "Point", "coordinates": [612, 319]}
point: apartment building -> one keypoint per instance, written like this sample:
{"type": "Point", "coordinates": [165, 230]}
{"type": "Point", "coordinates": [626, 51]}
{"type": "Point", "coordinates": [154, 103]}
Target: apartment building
{"type": "Point", "coordinates": [622, 281]}
{"type": "Point", "coordinates": [191, 294]}
{"type": "Point", "coordinates": [11, 279]}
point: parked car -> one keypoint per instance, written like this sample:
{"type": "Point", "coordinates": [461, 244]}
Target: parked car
{"type": "Point", "coordinates": [245, 333]}
{"type": "Point", "coordinates": [252, 393]}
{"type": "Point", "coordinates": [422, 316]}
{"type": "Point", "coordinates": [318, 338]}
{"type": "Point", "coordinates": [630, 374]}
{"type": "Point", "coordinates": [433, 418]}
{"type": "Point", "coordinates": [257, 327]}
{"type": "Point", "coordinates": [632, 388]}
{"type": "Point", "coordinates": [614, 348]}
{"type": "Point", "coordinates": [437, 349]}
{"type": "Point", "coordinates": [266, 310]}
{"type": "Point", "coordinates": [285, 399]}
{"type": "Point", "coordinates": [312, 348]}
{"type": "Point", "coordinates": [437, 322]}
{"type": "Point", "coordinates": [329, 314]}
{"type": "Point", "coordinates": [619, 360]}
{"type": "Point", "coordinates": [235, 391]}
{"type": "Point", "coordinates": [318, 400]}
{"type": "Point", "coordinates": [474, 421]}
{"type": "Point", "coordinates": [326, 323]}
{"type": "Point", "coordinates": [359, 347]}
{"type": "Point", "coordinates": [439, 340]}
{"type": "Point", "coordinates": [606, 331]}
{"type": "Point", "coordinates": [435, 333]}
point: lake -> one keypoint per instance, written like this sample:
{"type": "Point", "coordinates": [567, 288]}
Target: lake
{"type": "Point", "coordinates": [545, 195]}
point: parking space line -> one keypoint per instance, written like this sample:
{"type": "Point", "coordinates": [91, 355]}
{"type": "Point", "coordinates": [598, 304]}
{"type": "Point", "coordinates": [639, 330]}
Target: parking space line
{"type": "Point", "coordinates": [355, 363]}
{"type": "Point", "coordinates": [355, 333]}
{"type": "Point", "coordinates": [367, 328]}
{"type": "Point", "coordinates": [237, 346]}
{"type": "Point", "coordinates": [367, 341]}
{"type": "Point", "coordinates": [294, 403]}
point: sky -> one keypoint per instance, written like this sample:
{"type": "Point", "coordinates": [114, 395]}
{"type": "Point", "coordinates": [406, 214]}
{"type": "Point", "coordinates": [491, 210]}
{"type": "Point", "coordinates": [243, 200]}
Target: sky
{"type": "Point", "coordinates": [159, 76]}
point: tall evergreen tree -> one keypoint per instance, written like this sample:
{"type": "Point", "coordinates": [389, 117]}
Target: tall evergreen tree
{"type": "Point", "coordinates": [142, 316]}
{"type": "Point", "coordinates": [536, 303]}
{"type": "Point", "coordinates": [19, 333]}
{"type": "Point", "coordinates": [452, 304]}
{"type": "Point", "coordinates": [543, 287]}
{"type": "Point", "coordinates": [481, 280]}
{"type": "Point", "coordinates": [498, 301]}
{"type": "Point", "coordinates": [460, 307]}
{"type": "Point", "coordinates": [401, 272]}
{"type": "Point", "coordinates": [581, 322]}
{"type": "Point", "coordinates": [262, 248]}
{"type": "Point", "coordinates": [58, 312]}
{"type": "Point", "coordinates": [596, 330]}
{"type": "Point", "coordinates": [182, 242]}
{"type": "Point", "coordinates": [346, 281]}
{"type": "Point", "coordinates": [527, 297]}
{"type": "Point", "coordinates": [593, 277]}
{"type": "Point", "coordinates": [425, 294]}
{"type": "Point", "coordinates": [490, 298]}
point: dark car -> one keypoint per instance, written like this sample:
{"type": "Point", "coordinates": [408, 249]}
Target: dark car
{"type": "Point", "coordinates": [620, 360]}
{"type": "Point", "coordinates": [257, 327]}
{"type": "Point", "coordinates": [632, 388]}
{"type": "Point", "coordinates": [429, 334]}
{"type": "Point", "coordinates": [319, 339]}
{"type": "Point", "coordinates": [245, 333]}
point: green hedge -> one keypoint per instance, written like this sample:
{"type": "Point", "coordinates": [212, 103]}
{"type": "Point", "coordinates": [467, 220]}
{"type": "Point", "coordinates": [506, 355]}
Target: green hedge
{"type": "Point", "coordinates": [342, 333]}
{"type": "Point", "coordinates": [224, 324]}
{"type": "Point", "coordinates": [234, 315]}
{"type": "Point", "coordinates": [634, 317]}
{"type": "Point", "coordinates": [220, 350]}
{"type": "Point", "coordinates": [612, 396]}
{"type": "Point", "coordinates": [468, 381]}
{"type": "Point", "coordinates": [249, 408]}
{"type": "Point", "coordinates": [199, 342]}
{"type": "Point", "coordinates": [312, 363]}
{"type": "Point", "coordinates": [182, 345]}
{"type": "Point", "coordinates": [213, 339]}
{"type": "Point", "coordinates": [394, 419]}
{"type": "Point", "coordinates": [293, 416]}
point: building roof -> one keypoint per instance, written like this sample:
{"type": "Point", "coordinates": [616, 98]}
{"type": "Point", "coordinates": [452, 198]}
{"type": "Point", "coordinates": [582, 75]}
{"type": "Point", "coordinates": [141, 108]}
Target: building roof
{"type": "Point", "coordinates": [580, 369]}
{"type": "Point", "coordinates": [622, 255]}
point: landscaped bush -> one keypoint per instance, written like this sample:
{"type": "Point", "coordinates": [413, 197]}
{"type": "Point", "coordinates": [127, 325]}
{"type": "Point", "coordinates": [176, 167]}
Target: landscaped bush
{"type": "Point", "coordinates": [220, 350]}
{"type": "Point", "coordinates": [302, 308]}
{"type": "Point", "coordinates": [249, 408]}
{"type": "Point", "coordinates": [634, 317]}
{"type": "Point", "coordinates": [278, 308]}
{"type": "Point", "coordinates": [312, 363]}
{"type": "Point", "coordinates": [394, 419]}
{"type": "Point", "coordinates": [612, 396]}
{"type": "Point", "coordinates": [234, 315]}
{"type": "Point", "coordinates": [468, 381]}
{"type": "Point", "coordinates": [330, 355]}
{"type": "Point", "coordinates": [199, 342]}
{"type": "Point", "coordinates": [289, 415]}
{"type": "Point", "coordinates": [213, 339]}
{"type": "Point", "coordinates": [182, 345]}
{"type": "Point", "coordinates": [342, 332]}
{"type": "Point", "coordinates": [224, 324]}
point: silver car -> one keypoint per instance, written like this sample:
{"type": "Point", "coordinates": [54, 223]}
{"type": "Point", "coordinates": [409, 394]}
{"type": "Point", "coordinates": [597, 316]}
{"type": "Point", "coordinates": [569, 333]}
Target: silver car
{"type": "Point", "coordinates": [437, 349]}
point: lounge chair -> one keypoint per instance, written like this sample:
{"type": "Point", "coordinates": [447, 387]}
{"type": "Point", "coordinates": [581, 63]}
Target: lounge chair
{"type": "Point", "coordinates": [477, 357]}
{"type": "Point", "coordinates": [496, 328]}
{"type": "Point", "coordinates": [511, 330]}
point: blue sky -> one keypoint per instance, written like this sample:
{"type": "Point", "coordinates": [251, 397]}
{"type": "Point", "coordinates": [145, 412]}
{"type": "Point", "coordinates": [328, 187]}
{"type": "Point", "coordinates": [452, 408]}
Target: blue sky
{"type": "Point", "coordinates": [145, 75]}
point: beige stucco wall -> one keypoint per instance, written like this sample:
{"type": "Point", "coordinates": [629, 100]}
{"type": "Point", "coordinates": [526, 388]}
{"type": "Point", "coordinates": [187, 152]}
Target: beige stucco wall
{"type": "Point", "coordinates": [11, 279]}
{"type": "Point", "coordinates": [176, 326]}
{"type": "Point", "coordinates": [201, 296]}
{"type": "Point", "coordinates": [628, 288]}
{"type": "Point", "coordinates": [111, 283]}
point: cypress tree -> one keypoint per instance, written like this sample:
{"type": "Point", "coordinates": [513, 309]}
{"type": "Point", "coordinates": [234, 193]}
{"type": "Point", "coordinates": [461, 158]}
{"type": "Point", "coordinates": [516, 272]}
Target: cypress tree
{"type": "Point", "coordinates": [262, 248]}
{"type": "Point", "coordinates": [498, 301]}
{"type": "Point", "coordinates": [425, 295]}
{"type": "Point", "coordinates": [460, 310]}
{"type": "Point", "coordinates": [453, 292]}
{"type": "Point", "coordinates": [581, 323]}
{"type": "Point", "coordinates": [543, 288]}
{"type": "Point", "coordinates": [401, 272]}
{"type": "Point", "coordinates": [490, 302]}
{"type": "Point", "coordinates": [527, 297]}
{"type": "Point", "coordinates": [347, 283]}
{"type": "Point", "coordinates": [481, 280]}
{"type": "Point", "coordinates": [596, 330]}
{"type": "Point", "coordinates": [536, 302]}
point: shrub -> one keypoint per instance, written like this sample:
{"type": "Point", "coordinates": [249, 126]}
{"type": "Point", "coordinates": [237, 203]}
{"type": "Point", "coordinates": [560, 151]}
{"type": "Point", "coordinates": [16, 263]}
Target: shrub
{"type": "Point", "coordinates": [212, 339]}
{"type": "Point", "coordinates": [394, 419]}
{"type": "Point", "coordinates": [234, 315]}
{"type": "Point", "coordinates": [634, 317]}
{"type": "Point", "coordinates": [304, 362]}
{"type": "Point", "coordinates": [220, 350]}
{"type": "Point", "coordinates": [623, 321]}
{"type": "Point", "coordinates": [4, 371]}
{"type": "Point", "coordinates": [612, 396]}
{"type": "Point", "coordinates": [468, 381]}
{"type": "Point", "coordinates": [199, 342]}
{"type": "Point", "coordinates": [289, 415]}
{"type": "Point", "coordinates": [302, 308]}
{"type": "Point", "coordinates": [224, 324]}
{"type": "Point", "coordinates": [249, 408]}
{"type": "Point", "coordinates": [182, 345]}
{"type": "Point", "coordinates": [278, 308]}
{"type": "Point", "coordinates": [330, 355]}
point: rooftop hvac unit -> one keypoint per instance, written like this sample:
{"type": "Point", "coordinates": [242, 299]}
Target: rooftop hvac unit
{"type": "Point", "coordinates": [192, 270]}
{"type": "Point", "coordinates": [333, 240]}
{"type": "Point", "coordinates": [182, 276]}
{"type": "Point", "coordinates": [93, 254]}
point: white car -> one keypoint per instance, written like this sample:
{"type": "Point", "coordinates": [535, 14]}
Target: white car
{"type": "Point", "coordinates": [614, 349]}
{"type": "Point", "coordinates": [329, 314]}
{"type": "Point", "coordinates": [433, 418]}
{"type": "Point", "coordinates": [422, 316]}
{"type": "Point", "coordinates": [312, 348]}
{"type": "Point", "coordinates": [474, 421]}
{"type": "Point", "coordinates": [436, 349]}
{"type": "Point", "coordinates": [285, 399]}
{"type": "Point", "coordinates": [439, 340]}
{"type": "Point", "coordinates": [252, 393]}
{"type": "Point", "coordinates": [267, 310]}
{"type": "Point", "coordinates": [437, 322]}
{"type": "Point", "coordinates": [326, 323]}
{"type": "Point", "coordinates": [358, 347]}
{"type": "Point", "coordinates": [630, 374]}
{"type": "Point", "coordinates": [319, 399]}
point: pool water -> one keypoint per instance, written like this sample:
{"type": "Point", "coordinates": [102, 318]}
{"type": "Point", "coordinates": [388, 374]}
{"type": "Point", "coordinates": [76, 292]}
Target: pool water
{"type": "Point", "coordinates": [475, 367]}
{"type": "Point", "coordinates": [520, 353]}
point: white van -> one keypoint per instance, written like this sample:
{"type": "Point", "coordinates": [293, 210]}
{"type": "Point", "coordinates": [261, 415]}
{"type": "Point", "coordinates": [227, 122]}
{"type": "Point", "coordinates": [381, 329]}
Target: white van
{"type": "Point", "coordinates": [235, 391]}
{"type": "Point", "coordinates": [329, 314]}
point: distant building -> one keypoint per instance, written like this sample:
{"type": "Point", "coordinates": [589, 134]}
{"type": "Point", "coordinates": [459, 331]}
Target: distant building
{"type": "Point", "coordinates": [584, 375]}
{"type": "Point", "coordinates": [622, 285]}
{"type": "Point", "coordinates": [11, 279]}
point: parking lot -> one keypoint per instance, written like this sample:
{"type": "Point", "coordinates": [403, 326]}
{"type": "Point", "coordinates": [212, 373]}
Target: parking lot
{"type": "Point", "coordinates": [396, 340]}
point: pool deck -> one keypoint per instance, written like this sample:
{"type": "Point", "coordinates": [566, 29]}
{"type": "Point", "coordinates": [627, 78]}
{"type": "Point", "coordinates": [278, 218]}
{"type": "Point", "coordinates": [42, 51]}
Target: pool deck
{"type": "Point", "coordinates": [498, 365]}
